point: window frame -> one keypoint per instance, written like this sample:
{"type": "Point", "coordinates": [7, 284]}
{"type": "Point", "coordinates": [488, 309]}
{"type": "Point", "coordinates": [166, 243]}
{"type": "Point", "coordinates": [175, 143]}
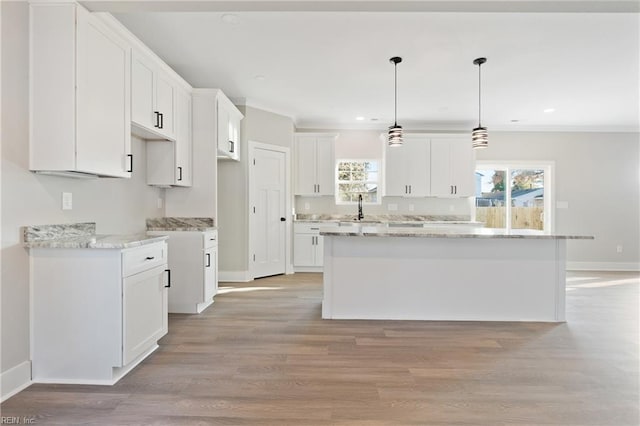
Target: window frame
{"type": "Point", "coordinates": [337, 181]}
{"type": "Point", "coordinates": [549, 188]}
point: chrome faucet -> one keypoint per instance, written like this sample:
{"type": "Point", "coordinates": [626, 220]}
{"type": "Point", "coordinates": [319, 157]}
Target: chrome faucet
{"type": "Point", "coordinates": [360, 214]}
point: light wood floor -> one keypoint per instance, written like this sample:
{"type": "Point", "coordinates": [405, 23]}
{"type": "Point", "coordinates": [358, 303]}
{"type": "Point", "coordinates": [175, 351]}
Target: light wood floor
{"type": "Point", "coordinates": [261, 355]}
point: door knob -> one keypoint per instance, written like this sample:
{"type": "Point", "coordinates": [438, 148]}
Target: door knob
{"type": "Point", "coordinates": [283, 219]}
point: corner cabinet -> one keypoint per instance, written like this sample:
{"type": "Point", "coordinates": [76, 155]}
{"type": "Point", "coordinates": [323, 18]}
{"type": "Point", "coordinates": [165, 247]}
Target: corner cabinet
{"type": "Point", "coordinates": [308, 247]}
{"type": "Point", "coordinates": [97, 313]}
{"type": "Point", "coordinates": [228, 119]}
{"type": "Point", "coordinates": [153, 99]}
{"type": "Point", "coordinates": [452, 167]}
{"type": "Point", "coordinates": [80, 115]}
{"type": "Point", "coordinates": [193, 261]}
{"type": "Point", "coordinates": [315, 164]}
{"type": "Point", "coordinates": [170, 163]}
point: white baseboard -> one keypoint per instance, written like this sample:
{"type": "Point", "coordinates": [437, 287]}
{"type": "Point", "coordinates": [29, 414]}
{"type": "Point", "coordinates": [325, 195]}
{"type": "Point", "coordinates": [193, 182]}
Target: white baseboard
{"type": "Point", "coordinates": [15, 379]}
{"type": "Point", "coordinates": [235, 276]}
{"type": "Point", "coordinates": [308, 269]}
{"type": "Point", "coordinates": [603, 266]}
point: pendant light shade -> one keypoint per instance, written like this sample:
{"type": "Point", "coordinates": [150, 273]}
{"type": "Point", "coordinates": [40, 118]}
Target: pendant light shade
{"type": "Point", "coordinates": [479, 135]}
{"type": "Point", "coordinates": [395, 132]}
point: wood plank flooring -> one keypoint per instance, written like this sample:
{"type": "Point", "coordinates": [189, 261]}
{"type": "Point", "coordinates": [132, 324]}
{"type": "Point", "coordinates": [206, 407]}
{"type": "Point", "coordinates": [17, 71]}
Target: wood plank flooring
{"type": "Point", "coordinates": [261, 355]}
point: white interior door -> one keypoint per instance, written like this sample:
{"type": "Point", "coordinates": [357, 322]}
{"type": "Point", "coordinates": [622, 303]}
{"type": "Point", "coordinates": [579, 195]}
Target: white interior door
{"type": "Point", "coordinates": [269, 212]}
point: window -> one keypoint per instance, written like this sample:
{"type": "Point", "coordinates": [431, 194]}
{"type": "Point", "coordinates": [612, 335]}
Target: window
{"type": "Point", "coordinates": [357, 177]}
{"type": "Point", "coordinates": [514, 195]}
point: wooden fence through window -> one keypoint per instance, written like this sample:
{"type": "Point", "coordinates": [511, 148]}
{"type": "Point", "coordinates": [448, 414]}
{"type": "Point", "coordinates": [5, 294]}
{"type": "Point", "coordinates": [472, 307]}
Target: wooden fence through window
{"type": "Point", "coordinates": [522, 217]}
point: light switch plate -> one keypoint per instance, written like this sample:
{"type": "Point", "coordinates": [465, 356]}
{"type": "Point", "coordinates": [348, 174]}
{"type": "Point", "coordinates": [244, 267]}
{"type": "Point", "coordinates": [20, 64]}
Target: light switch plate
{"type": "Point", "coordinates": [562, 204]}
{"type": "Point", "coordinates": [67, 201]}
{"type": "Point", "coordinates": [392, 207]}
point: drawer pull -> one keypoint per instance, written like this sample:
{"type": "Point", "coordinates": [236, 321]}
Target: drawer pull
{"type": "Point", "coordinates": [208, 265]}
{"type": "Point", "coordinates": [314, 229]}
{"type": "Point", "coordinates": [150, 257]}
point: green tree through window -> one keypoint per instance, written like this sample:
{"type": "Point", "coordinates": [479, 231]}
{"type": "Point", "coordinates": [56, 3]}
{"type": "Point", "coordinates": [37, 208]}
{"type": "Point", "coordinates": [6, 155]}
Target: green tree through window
{"type": "Point", "coordinates": [357, 178]}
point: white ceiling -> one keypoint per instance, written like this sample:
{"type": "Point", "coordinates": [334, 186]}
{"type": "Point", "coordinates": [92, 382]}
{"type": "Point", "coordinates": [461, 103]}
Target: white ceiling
{"type": "Point", "coordinates": [326, 67]}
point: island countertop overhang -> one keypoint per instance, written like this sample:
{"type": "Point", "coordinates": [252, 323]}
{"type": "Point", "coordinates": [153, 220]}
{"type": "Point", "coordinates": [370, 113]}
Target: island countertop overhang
{"type": "Point", "coordinates": [381, 231]}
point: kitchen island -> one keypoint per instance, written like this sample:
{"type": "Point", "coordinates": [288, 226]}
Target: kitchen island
{"type": "Point", "coordinates": [481, 274]}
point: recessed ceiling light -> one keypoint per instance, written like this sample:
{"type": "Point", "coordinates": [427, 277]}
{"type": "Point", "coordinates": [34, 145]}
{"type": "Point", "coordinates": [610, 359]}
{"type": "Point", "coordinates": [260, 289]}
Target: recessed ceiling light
{"type": "Point", "coordinates": [230, 18]}
{"type": "Point", "coordinates": [374, 119]}
{"type": "Point", "coordinates": [549, 110]}
{"type": "Point", "coordinates": [515, 121]}
{"type": "Point", "coordinates": [359, 118]}
{"type": "Point", "coordinates": [260, 77]}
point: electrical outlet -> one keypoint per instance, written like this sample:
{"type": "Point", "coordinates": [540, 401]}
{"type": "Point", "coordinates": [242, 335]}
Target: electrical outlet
{"type": "Point", "coordinates": [392, 207]}
{"type": "Point", "coordinates": [160, 203]}
{"type": "Point", "coordinates": [451, 207]}
{"type": "Point", "coordinates": [307, 206]}
{"type": "Point", "coordinates": [411, 207]}
{"type": "Point", "coordinates": [619, 248]}
{"type": "Point", "coordinates": [67, 201]}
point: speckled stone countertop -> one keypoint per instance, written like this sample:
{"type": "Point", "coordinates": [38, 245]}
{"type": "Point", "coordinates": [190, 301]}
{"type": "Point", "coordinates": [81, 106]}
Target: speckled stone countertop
{"type": "Point", "coordinates": [383, 231]}
{"type": "Point", "coordinates": [181, 224]}
{"type": "Point", "coordinates": [393, 218]}
{"type": "Point", "coordinates": [81, 235]}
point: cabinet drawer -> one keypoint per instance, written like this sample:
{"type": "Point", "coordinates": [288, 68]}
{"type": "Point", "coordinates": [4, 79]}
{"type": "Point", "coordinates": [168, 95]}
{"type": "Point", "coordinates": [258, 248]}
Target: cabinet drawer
{"type": "Point", "coordinates": [309, 228]}
{"type": "Point", "coordinates": [210, 239]}
{"type": "Point", "coordinates": [142, 258]}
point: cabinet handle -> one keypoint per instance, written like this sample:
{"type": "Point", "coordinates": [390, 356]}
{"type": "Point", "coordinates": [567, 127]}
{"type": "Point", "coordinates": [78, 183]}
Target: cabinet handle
{"type": "Point", "coordinates": [179, 173]}
{"type": "Point", "coordinates": [231, 146]}
{"type": "Point", "coordinates": [168, 271]}
{"type": "Point", "coordinates": [318, 188]}
{"type": "Point", "coordinates": [455, 189]}
{"type": "Point", "coordinates": [157, 113]}
{"type": "Point", "coordinates": [208, 260]}
{"type": "Point", "coordinates": [409, 189]}
{"type": "Point", "coordinates": [161, 120]}
{"type": "Point", "coordinates": [130, 157]}
{"type": "Point", "coordinates": [150, 257]}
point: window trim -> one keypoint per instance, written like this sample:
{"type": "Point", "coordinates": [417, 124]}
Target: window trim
{"type": "Point", "coordinates": [337, 181]}
{"type": "Point", "coordinates": [549, 187]}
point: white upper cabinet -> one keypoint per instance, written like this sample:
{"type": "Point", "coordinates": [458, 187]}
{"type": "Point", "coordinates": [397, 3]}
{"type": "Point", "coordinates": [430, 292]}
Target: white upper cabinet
{"type": "Point", "coordinates": [452, 167]}
{"type": "Point", "coordinates": [228, 119]}
{"type": "Point", "coordinates": [153, 99]}
{"type": "Point", "coordinates": [80, 89]}
{"type": "Point", "coordinates": [407, 169]}
{"type": "Point", "coordinates": [315, 164]}
{"type": "Point", "coordinates": [170, 163]}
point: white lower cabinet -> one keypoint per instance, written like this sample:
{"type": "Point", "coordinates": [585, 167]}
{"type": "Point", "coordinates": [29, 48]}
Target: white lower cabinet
{"type": "Point", "coordinates": [193, 261]}
{"type": "Point", "coordinates": [308, 248]}
{"type": "Point", "coordinates": [96, 312]}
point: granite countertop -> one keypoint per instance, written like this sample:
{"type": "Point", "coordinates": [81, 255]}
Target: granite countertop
{"type": "Point", "coordinates": [383, 231]}
{"type": "Point", "coordinates": [389, 219]}
{"type": "Point", "coordinates": [181, 224]}
{"type": "Point", "coordinates": [81, 235]}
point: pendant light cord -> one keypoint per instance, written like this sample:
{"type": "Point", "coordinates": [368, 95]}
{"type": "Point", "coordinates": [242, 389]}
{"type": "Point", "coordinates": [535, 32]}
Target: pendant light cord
{"type": "Point", "coordinates": [395, 94]}
{"type": "Point", "coordinates": [479, 95]}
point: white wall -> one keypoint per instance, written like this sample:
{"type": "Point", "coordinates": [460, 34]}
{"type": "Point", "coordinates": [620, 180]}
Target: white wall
{"type": "Point", "coordinates": [233, 195]}
{"type": "Point", "coordinates": [116, 205]}
{"type": "Point", "coordinates": [598, 174]}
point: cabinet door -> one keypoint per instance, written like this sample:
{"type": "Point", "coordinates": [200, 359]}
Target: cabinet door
{"type": "Point", "coordinates": [210, 273]}
{"type": "Point", "coordinates": [144, 310]}
{"type": "Point", "coordinates": [183, 148]}
{"type": "Point", "coordinates": [319, 261]}
{"type": "Point", "coordinates": [306, 166]}
{"type": "Point", "coordinates": [325, 165]}
{"type": "Point", "coordinates": [463, 162]}
{"type": "Point", "coordinates": [304, 250]}
{"type": "Point", "coordinates": [417, 155]}
{"type": "Point", "coordinates": [165, 105]}
{"type": "Point", "coordinates": [103, 140]}
{"type": "Point", "coordinates": [224, 145]}
{"type": "Point", "coordinates": [234, 135]}
{"type": "Point", "coordinates": [441, 182]}
{"type": "Point", "coordinates": [142, 92]}
{"type": "Point", "coordinates": [396, 184]}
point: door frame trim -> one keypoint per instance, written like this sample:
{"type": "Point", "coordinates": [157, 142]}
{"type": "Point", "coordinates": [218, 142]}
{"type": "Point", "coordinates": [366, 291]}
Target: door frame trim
{"type": "Point", "coordinates": [253, 145]}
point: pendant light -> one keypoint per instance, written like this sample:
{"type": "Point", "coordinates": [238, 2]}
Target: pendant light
{"type": "Point", "coordinates": [395, 131]}
{"type": "Point", "coordinates": [479, 135]}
